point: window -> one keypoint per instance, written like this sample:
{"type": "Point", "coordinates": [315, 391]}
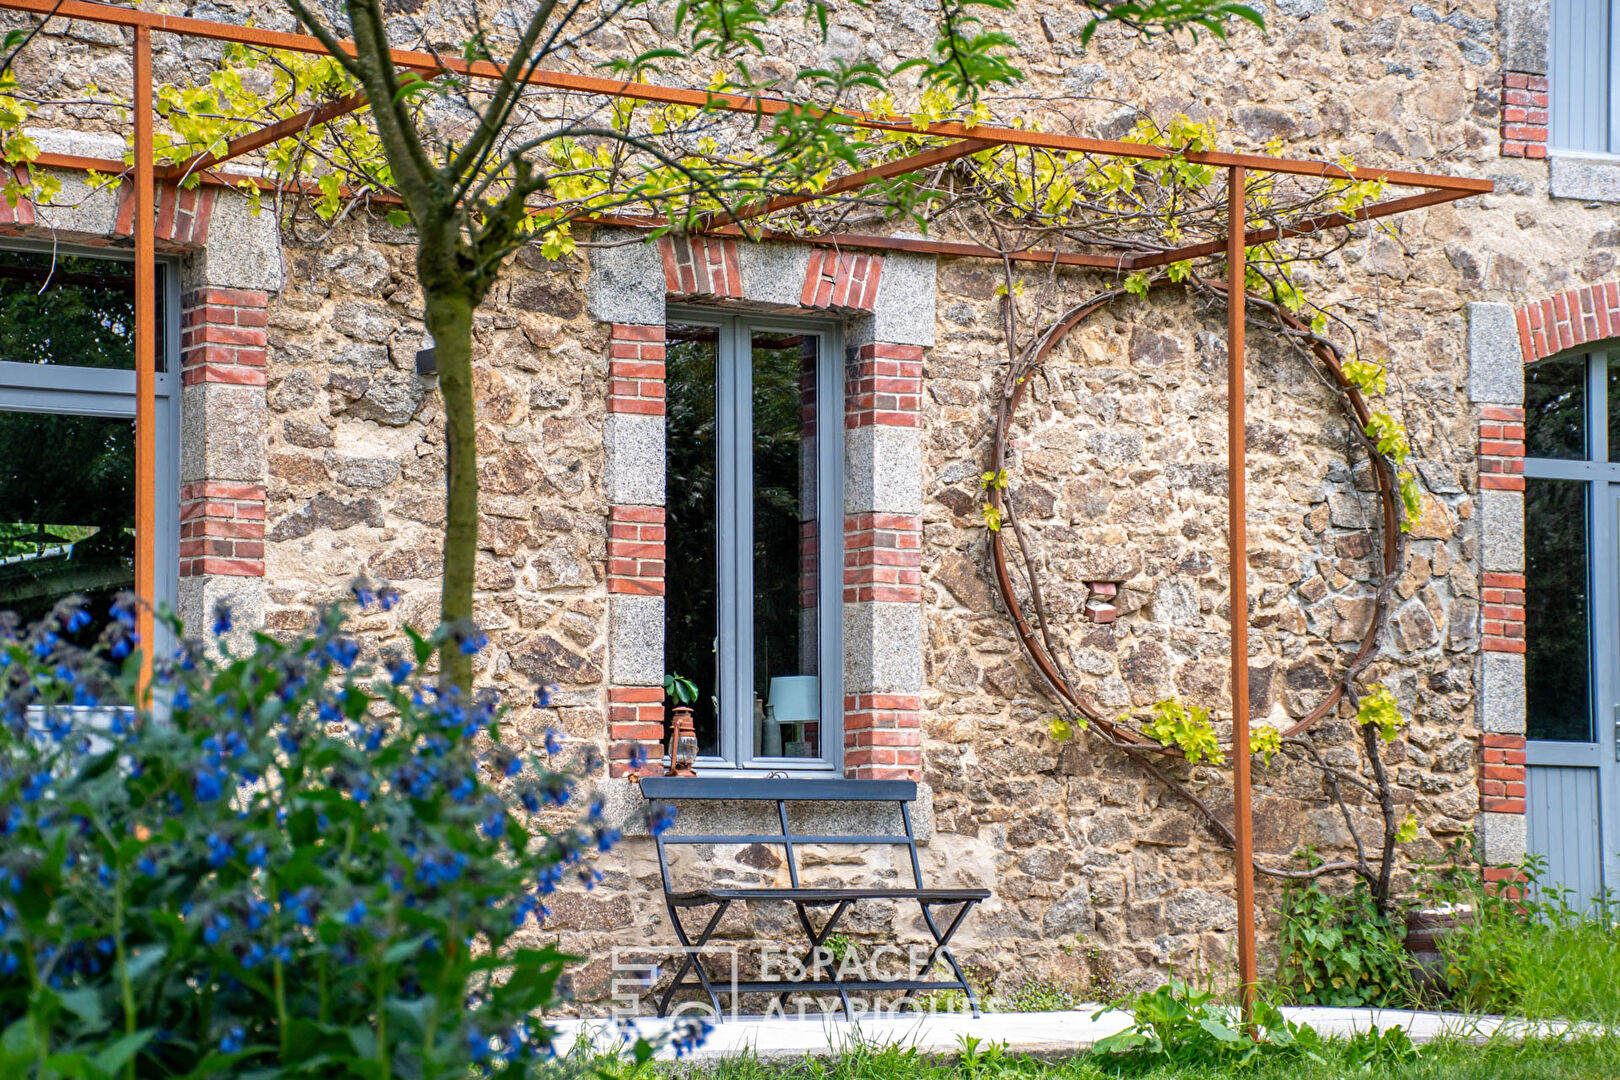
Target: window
{"type": "Point", "coordinates": [753, 535]}
{"type": "Point", "coordinates": [1583, 79]}
{"type": "Point", "coordinates": [67, 438]}
{"type": "Point", "coordinates": [1572, 440]}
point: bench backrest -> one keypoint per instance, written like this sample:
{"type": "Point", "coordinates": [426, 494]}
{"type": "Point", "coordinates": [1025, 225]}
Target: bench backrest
{"type": "Point", "coordinates": [674, 789]}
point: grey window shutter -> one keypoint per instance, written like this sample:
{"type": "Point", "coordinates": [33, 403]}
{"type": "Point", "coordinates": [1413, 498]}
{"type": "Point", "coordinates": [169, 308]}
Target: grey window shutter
{"type": "Point", "coordinates": [1581, 76]}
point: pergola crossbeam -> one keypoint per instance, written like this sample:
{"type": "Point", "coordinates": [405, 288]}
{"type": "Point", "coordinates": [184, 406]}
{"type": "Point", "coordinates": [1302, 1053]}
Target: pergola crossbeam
{"type": "Point", "coordinates": [275, 132]}
{"type": "Point", "coordinates": [967, 140]}
{"type": "Point", "coordinates": [706, 99]}
{"type": "Point", "coordinates": [927, 159]}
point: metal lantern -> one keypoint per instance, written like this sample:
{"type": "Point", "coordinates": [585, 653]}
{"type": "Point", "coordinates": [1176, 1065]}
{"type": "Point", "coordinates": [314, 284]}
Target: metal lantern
{"type": "Point", "coordinates": [683, 748]}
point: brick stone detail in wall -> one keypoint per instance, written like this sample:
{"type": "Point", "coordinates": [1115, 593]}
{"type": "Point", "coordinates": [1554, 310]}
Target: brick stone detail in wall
{"type": "Point", "coordinates": [636, 369]}
{"type": "Point", "coordinates": [635, 730]}
{"type": "Point", "coordinates": [1524, 115]}
{"type": "Point", "coordinates": [223, 336]}
{"type": "Point", "coordinates": [882, 548]}
{"type": "Point", "coordinates": [1567, 319]}
{"type": "Point", "coordinates": [1501, 448]}
{"type": "Point", "coordinates": [841, 280]}
{"type": "Point", "coordinates": [636, 550]}
{"type": "Point", "coordinates": [221, 529]}
{"type": "Point", "coordinates": [183, 214]}
{"type": "Point", "coordinates": [883, 558]}
{"type": "Point", "coordinates": [1502, 612]}
{"type": "Point", "coordinates": [635, 547]}
{"type": "Point", "coordinates": [1502, 774]}
{"type": "Point", "coordinates": [883, 386]}
{"type": "Point", "coordinates": [883, 736]}
{"type": "Point", "coordinates": [700, 266]}
{"type": "Point", "coordinates": [23, 212]}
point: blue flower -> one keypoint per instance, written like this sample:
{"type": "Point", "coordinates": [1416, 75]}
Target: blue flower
{"type": "Point", "coordinates": [219, 849]}
{"type": "Point", "coordinates": [232, 1042]}
{"type": "Point", "coordinates": [660, 816]}
{"type": "Point", "coordinates": [209, 787]}
{"type": "Point", "coordinates": [342, 652]}
{"type": "Point", "coordinates": [78, 620]}
{"type": "Point", "coordinates": [123, 609]}
{"type": "Point", "coordinates": [542, 696]}
{"type": "Point", "coordinates": [388, 597]}
{"type": "Point", "coordinates": [553, 741]}
{"type": "Point", "coordinates": [257, 855]}
{"type": "Point", "coordinates": [253, 956]}
{"type": "Point", "coordinates": [473, 642]}
{"type": "Point", "coordinates": [356, 913]}
{"type": "Point", "coordinates": [399, 670]}
{"type": "Point", "coordinates": [182, 699]}
{"type": "Point", "coordinates": [477, 1044]}
{"type": "Point", "coordinates": [35, 787]}
{"type": "Point", "coordinates": [222, 618]}
{"type": "Point", "coordinates": [364, 596]}
{"type": "Point", "coordinates": [84, 698]}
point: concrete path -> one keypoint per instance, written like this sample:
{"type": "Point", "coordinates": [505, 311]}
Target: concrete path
{"type": "Point", "coordinates": [1048, 1034]}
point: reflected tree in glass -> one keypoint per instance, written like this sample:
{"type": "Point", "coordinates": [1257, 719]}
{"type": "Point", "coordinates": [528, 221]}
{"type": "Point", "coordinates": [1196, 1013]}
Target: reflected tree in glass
{"type": "Point", "coordinates": [691, 599]}
{"type": "Point", "coordinates": [1557, 611]}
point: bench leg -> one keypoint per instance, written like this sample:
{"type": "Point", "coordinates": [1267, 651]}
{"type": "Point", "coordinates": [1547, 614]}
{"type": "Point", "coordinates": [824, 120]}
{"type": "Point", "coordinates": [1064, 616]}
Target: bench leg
{"type": "Point", "coordinates": [942, 948]}
{"type": "Point", "coordinates": [816, 941]}
{"type": "Point", "coordinates": [691, 959]}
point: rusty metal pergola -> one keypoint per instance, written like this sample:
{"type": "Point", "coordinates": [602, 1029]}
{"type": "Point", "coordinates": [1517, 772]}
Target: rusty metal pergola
{"type": "Point", "coordinates": [1431, 190]}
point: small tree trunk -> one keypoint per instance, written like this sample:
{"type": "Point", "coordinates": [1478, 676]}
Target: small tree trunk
{"type": "Point", "coordinates": [449, 319]}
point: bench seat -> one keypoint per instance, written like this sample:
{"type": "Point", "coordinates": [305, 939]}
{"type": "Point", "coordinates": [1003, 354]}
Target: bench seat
{"type": "Point", "coordinates": [820, 974]}
{"type": "Point", "coordinates": [820, 897]}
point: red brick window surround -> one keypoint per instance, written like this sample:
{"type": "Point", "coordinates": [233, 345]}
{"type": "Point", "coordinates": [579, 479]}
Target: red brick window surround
{"type": "Point", "coordinates": [1524, 115]}
{"type": "Point", "coordinates": [223, 340]}
{"type": "Point", "coordinates": [882, 537]}
{"type": "Point", "coordinates": [635, 549]}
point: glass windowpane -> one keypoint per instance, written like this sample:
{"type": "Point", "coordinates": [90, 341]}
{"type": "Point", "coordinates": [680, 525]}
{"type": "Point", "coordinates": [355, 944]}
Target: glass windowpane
{"type": "Point", "coordinates": [691, 587]}
{"type": "Point", "coordinates": [787, 707]}
{"type": "Point", "coordinates": [1614, 407]}
{"type": "Point", "coordinates": [67, 517]}
{"type": "Point", "coordinates": [70, 310]}
{"type": "Point", "coordinates": [1555, 409]}
{"type": "Point", "coordinates": [1557, 610]}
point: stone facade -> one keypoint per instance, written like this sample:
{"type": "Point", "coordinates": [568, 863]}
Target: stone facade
{"type": "Point", "coordinates": [323, 457]}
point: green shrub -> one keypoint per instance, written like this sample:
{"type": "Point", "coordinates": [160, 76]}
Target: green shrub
{"type": "Point", "coordinates": [1177, 1025]}
{"type": "Point", "coordinates": [1527, 951]}
{"type": "Point", "coordinates": [298, 867]}
{"type": "Point", "coordinates": [1336, 949]}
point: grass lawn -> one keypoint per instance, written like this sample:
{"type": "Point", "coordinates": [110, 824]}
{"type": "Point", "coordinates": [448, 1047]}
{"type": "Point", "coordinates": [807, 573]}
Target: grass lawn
{"type": "Point", "coordinates": [1562, 1059]}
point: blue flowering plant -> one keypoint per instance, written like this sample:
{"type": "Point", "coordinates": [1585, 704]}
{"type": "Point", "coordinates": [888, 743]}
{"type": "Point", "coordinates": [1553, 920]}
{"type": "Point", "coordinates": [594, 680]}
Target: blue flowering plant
{"type": "Point", "coordinates": [287, 862]}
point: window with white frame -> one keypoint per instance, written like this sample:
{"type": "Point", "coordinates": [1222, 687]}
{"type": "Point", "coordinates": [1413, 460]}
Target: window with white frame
{"type": "Point", "coordinates": [67, 431]}
{"type": "Point", "coordinates": [1584, 76]}
{"type": "Point", "coordinates": [754, 536]}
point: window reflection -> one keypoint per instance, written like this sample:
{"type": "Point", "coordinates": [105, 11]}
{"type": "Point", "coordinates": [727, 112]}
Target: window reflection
{"type": "Point", "coordinates": [786, 590]}
{"type": "Point", "coordinates": [70, 310]}
{"type": "Point", "coordinates": [691, 600]}
{"type": "Point", "coordinates": [1555, 409]}
{"type": "Point", "coordinates": [1557, 611]}
{"type": "Point", "coordinates": [67, 512]}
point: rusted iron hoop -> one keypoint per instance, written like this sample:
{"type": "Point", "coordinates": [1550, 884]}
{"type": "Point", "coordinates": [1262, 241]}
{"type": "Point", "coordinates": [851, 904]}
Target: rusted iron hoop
{"type": "Point", "coordinates": [1018, 375]}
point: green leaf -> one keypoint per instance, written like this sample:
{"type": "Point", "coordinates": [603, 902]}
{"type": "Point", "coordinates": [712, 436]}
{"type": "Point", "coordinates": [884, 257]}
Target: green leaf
{"type": "Point", "coordinates": [115, 1054]}
{"type": "Point", "coordinates": [84, 1003]}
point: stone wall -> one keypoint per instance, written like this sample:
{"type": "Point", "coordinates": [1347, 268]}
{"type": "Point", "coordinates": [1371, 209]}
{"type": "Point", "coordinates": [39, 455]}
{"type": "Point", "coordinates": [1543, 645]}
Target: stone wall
{"type": "Point", "coordinates": [1100, 875]}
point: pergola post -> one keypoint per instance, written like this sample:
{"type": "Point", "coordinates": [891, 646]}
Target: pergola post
{"type": "Point", "coordinates": [146, 331]}
{"type": "Point", "coordinates": [1238, 604]}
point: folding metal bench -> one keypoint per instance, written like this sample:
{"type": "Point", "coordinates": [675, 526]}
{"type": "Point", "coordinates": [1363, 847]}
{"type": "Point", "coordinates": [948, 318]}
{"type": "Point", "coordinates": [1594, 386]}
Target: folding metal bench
{"type": "Point", "coordinates": [823, 978]}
